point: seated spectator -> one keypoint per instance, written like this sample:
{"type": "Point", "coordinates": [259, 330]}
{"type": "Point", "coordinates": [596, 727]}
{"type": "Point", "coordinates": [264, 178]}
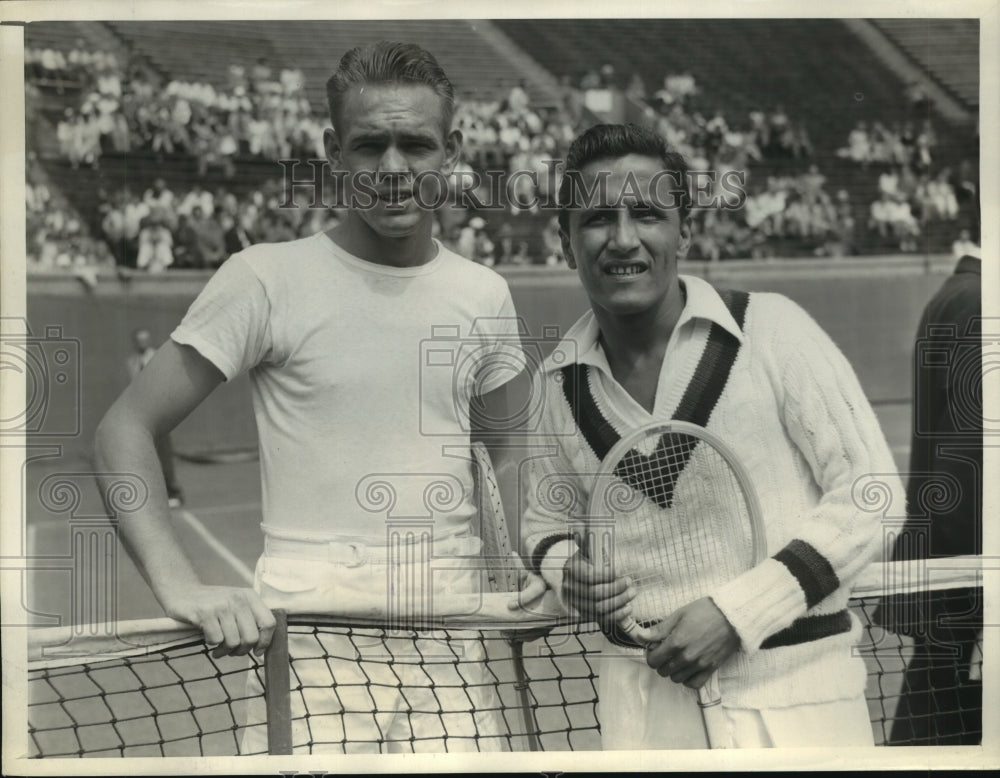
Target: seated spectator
{"type": "Point", "coordinates": [801, 143]}
{"type": "Point", "coordinates": [503, 251]}
{"type": "Point", "coordinates": [483, 248]}
{"type": "Point", "coordinates": [703, 242]}
{"type": "Point", "coordinates": [113, 227]}
{"type": "Point", "coordinates": [858, 147]}
{"type": "Point", "coordinates": [186, 251]}
{"type": "Point", "coordinates": [466, 245]}
{"type": "Point", "coordinates": [717, 127]}
{"type": "Point", "coordinates": [893, 218]}
{"type": "Point", "coordinates": [881, 214]}
{"type": "Point", "coordinates": [521, 255]}
{"type": "Point", "coordinates": [291, 80]}
{"type": "Point", "coordinates": [591, 80]}
{"type": "Point", "coordinates": [964, 245]}
{"type": "Point", "coordinates": [916, 93]}
{"type": "Point", "coordinates": [155, 247]}
{"type": "Point", "coordinates": [940, 197]}
{"type": "Point", "coordinates": [922, 153]}
{"type": "Point", "coordinates": [159, 196]}
{"type": "Point", "coordinates": [517, 99]}
{"type": "Point", "coordinates": [209, 243]}
{"type": "Point", "coordinates": [779, 126]}
{"type": "Point", "coordinates": [240, 235]}
{"type": "Point", "coordinates": [797, 217]}
{"type": "Point", "coordinates": [841, 237]}
{"type": "Point", "coordinates": [888, 182]}
{"type": "Point", "coordinates": [880, 143]}
{"type": "Point", "coordinates": [813, 181]}
{"type": "Point", "coordinates": [260, 76]}
{"type": "Point", "coordinates": [197, 197]}
{"type": "Point", "coordinates": [636, 88]}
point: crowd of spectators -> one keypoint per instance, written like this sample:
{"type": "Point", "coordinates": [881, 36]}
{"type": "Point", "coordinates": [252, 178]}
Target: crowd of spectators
{"type": "Point", "coordinates": [907, 202]}
{"type": "Point", "coordinates": [258, 113]}
{"type": "Point", "coordinates": [263, 112]}
{"type": "Point", "coordinates": [199, 228]}
{"type": "Point", "coordinates": [902, 144]}
{"type": "Point", "coordinates": [795, 210]}
{"type": "Point", "coordinates": [57, 238]}
{"type": "Point", "coordinates": [911, 195]}
{"type": "Point", "coordinates": [512, 135]}
{"type": "Point", "coordinates": [95, 123]}
{"type": "Point", "coordinates": [720, 138]}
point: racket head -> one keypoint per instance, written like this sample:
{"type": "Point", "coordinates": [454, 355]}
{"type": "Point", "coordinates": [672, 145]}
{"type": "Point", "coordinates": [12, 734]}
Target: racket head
{"type": "Point", "coordinates": [501, 560]}
{"type": "Point", "coordinates": [673, 508]}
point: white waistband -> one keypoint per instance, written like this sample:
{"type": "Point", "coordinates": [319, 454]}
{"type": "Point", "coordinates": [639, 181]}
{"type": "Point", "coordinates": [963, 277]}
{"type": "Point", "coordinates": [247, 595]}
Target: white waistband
{"type": "Point", "coordinates": [354, 553]}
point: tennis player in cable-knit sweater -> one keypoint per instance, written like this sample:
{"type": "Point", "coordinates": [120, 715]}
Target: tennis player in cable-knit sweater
{"type": "Point", "coordinates": [761, 374]}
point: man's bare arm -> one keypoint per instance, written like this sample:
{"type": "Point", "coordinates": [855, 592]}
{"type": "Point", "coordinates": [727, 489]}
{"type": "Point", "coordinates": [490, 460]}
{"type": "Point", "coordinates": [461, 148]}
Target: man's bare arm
{"type": "Point", "coordinates": [172, 385]}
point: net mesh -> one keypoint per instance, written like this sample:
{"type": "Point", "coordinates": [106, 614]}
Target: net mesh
{"type": "Point", "coordinates": [458, 689]}
{"type": "Point", "coordinates": [174, 701]}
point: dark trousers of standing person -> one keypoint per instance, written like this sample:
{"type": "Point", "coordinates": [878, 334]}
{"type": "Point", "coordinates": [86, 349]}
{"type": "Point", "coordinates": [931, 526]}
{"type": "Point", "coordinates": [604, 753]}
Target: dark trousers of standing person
{"type": "Point", "coordinates": [939, 704]}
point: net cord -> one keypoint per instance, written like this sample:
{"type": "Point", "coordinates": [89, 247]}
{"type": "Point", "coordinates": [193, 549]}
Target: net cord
{"type": "Point", "coordinates": [57, 646]}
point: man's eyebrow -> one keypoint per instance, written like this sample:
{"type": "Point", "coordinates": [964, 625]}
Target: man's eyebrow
{"type": "Point", "coordinates": [377, 133]}
{"type": "Point", "coordinates": [421, 135]}
{"type": "Point", "coordinates": [367, 134]}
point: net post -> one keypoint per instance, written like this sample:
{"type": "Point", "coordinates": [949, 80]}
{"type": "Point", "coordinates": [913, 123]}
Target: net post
{"type": "Point", "coordinates": [276, 689]}
{"type": "Point", "coordinates": [527, 711]}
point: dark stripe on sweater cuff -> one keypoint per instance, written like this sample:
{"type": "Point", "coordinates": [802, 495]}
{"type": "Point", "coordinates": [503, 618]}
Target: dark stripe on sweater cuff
{"type": "Point", "coordinates": [543, 548]}
{"type": "Point", "coordinates": [811, 569]}
{"type": "Point", "coordinates": [810, 628]}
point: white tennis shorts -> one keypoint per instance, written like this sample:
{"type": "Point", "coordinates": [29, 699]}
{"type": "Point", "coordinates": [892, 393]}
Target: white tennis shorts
{"type": "Point", "coordinates": [368, 693]}
{"type": "Point", "coordinates": [640, 710]}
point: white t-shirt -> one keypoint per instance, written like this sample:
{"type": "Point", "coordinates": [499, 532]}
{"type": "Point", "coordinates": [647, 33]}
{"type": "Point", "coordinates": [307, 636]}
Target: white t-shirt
{"type": "Point", "coordinates": [361, 377]}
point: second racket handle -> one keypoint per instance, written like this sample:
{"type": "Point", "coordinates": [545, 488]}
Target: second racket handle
{"type": "Point", "coordinates": [713, 714]}
{"type": "Point", "coordinates": [636, 632]}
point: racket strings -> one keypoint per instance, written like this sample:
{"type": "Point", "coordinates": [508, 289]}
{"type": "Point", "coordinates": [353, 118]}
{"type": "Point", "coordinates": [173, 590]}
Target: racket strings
{"type": "Point", "coordinates": [685, 529]}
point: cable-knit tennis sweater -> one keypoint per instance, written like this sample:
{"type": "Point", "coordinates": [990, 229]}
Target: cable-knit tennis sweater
{"type": "Point", "coordinates": [794, 413]}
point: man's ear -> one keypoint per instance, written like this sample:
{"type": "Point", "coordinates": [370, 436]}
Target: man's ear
{"type": "Point", "coordinates": [452, 151]}
{"type": "Point", "coordinates": [685, 242]}
{"type": "Point", "coordinates": [331, 143]}
{"type": "Point", "coordinates": [567, 251]}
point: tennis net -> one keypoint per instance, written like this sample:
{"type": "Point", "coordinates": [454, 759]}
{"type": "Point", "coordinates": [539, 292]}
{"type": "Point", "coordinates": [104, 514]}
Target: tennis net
{"type": "Point", "coordinates": [475, 676]}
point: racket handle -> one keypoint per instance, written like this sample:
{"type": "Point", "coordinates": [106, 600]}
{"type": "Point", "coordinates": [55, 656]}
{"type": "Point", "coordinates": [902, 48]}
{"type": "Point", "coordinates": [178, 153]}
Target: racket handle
{"type": "Point", "coordinates": [713, 714]}
{"type": "Point", "coordinates": [635, 632]}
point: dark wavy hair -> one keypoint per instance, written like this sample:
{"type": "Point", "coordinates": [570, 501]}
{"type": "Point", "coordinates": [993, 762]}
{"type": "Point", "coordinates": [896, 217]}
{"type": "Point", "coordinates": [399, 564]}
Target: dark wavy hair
{"type": "Point", "coordinates": [389, 62]}
{"type": "Point", "coordinates": [611, 141]}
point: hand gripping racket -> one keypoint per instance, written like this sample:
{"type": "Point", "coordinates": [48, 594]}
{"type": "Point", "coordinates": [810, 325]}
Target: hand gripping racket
{"type": "Point", "coordinates": [674, 509]}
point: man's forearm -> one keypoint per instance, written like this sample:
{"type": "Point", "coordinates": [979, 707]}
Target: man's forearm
{"type": "Point", "coordinates": [123, 446]}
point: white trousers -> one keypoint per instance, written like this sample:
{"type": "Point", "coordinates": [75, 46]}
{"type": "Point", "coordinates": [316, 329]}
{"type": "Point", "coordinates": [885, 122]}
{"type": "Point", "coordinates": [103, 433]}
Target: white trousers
{"type": "Point", "coordinates": [640, 710]}
{"type": "Point", "coordinates": [377, 692]}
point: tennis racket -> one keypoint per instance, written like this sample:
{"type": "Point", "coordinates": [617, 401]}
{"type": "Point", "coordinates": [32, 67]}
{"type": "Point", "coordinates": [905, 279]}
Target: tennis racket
{"type": "Point", "coordinates": [674, 509]}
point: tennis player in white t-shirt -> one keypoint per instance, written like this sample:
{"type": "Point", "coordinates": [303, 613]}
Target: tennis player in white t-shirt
{"type": "Point", "coordinates": [334, 332]}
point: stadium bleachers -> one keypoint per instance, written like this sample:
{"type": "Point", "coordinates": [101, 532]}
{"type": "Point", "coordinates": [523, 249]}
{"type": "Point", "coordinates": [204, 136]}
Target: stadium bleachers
{"type": "Point", "coordinates": [947, 49]}
{"type": "Point", "coordinates": [739, 65]}
{"type": "Point", "coordinates": [476, 68]}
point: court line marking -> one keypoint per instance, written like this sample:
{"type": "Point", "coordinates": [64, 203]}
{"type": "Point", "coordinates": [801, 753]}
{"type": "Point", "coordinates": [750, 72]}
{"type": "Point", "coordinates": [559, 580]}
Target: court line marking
{"type": "Point", "coordinates": [215, 544]}
{"type": "Point", "coordinates": [246, 506]}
